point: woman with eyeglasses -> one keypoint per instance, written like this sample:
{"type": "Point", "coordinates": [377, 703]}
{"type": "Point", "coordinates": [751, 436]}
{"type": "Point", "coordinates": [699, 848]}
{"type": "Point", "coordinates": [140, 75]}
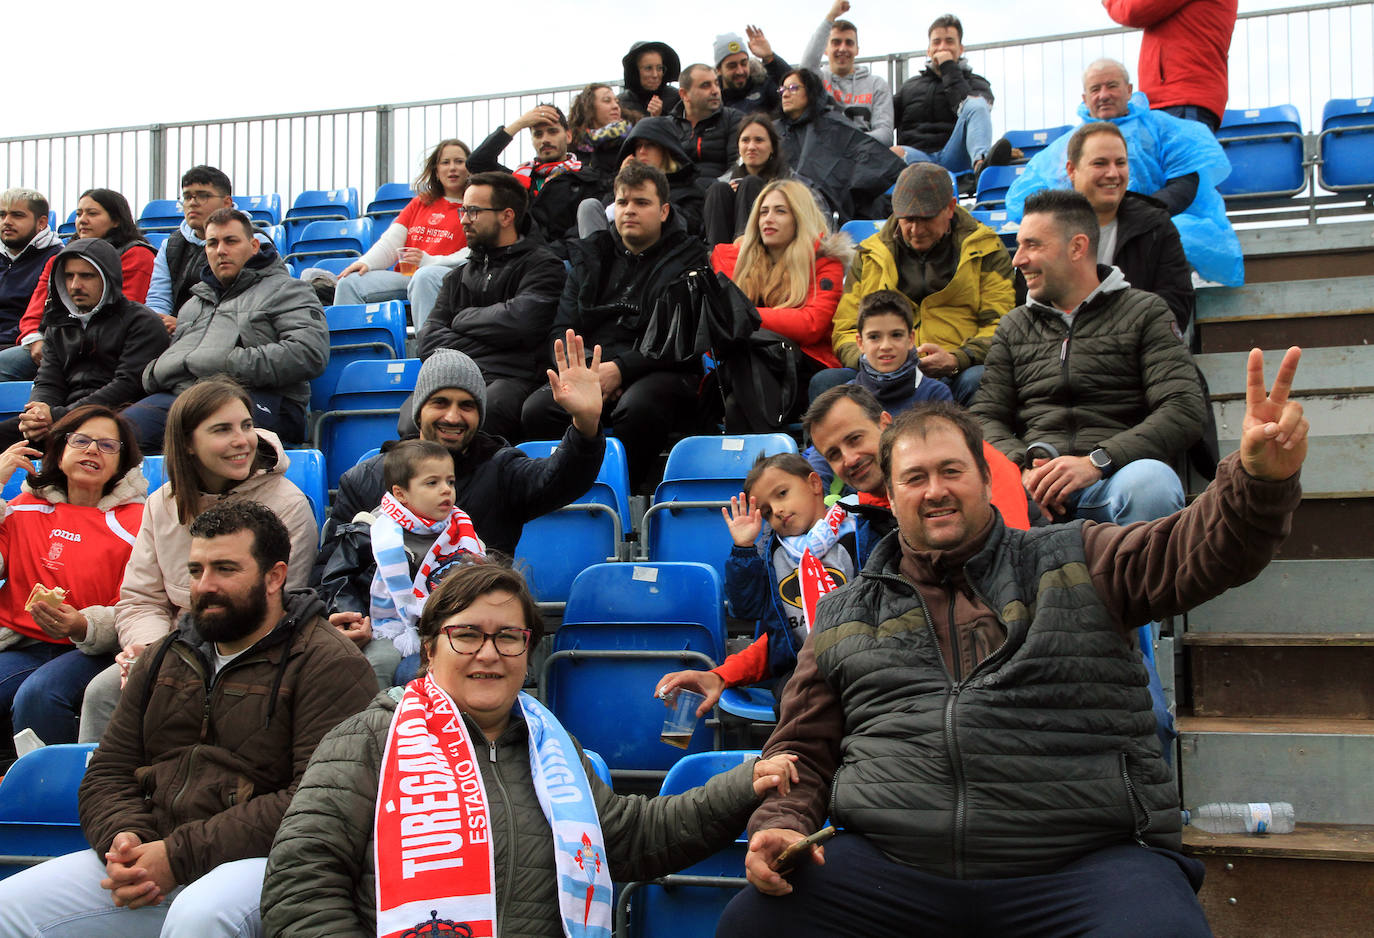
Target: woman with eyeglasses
{"type": "Point", "coordinates": [211, 452]}
{"type": "Point", "coordinates": [491, 819]}
{"type": "Point", "coordinates": [421, 246]}
{"type": "Point", "coordinates": [649, 67]}
{"type": "Point", "coordinates": [63, 545]}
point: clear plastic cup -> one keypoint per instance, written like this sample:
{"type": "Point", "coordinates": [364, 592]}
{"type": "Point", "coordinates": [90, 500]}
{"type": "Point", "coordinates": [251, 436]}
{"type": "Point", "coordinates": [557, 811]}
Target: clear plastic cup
{"type": "Point", "coordinates": [682, 719]}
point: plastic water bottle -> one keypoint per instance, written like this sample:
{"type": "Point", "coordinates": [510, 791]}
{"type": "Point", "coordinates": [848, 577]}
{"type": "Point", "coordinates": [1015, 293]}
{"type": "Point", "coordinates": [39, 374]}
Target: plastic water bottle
{"type": "Point", "coordinates": [1238, 817]}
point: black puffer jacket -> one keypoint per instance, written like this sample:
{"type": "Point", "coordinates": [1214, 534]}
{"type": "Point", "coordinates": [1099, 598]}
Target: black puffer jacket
{"type": "Point", "coordinates": [496, 484]}
{"type": "Point", "coordinates": [497, 308]}
{"type": "Point", "coordinates": [321, 875]}
{"type": "Point", "coordinates": [618, 327]}
{"type": "Point", "coordinates": [1150, 254]}
{"type": "Point", "coordinates": [102, 362]}
{"type": "Point", "coordinates": [634, 97]}
{"type": "Point", "coordinates": [1119, 377]}
{"type": "Point", "coordinates": [713, 144]}
{"type": "Point", "coordinates": [927, 105]}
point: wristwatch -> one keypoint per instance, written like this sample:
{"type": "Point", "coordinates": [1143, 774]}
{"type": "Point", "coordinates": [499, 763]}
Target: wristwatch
{"type": "Point", "coordinates": [1102, 461]}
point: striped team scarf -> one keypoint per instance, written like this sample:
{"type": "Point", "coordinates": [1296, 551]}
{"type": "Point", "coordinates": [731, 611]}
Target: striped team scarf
{"type": "Point", "coordinates": [432, 827]}
{"type": "Point", "coordinates": [398, 598]}
{"type": "Point", "coordinates": [533, 175]}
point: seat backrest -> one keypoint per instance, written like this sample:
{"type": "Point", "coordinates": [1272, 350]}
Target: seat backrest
{"type": "Point", "coordinates": [13, 396]}
{"type": "Point", "coordinates": [636, 593]}
{"type": "Point", "coordinates": [161, 215]}
{"type": "Point", "coordinates": [614, 472]}
{"type": "Point", "coordinates": [723, 457]}
{"type": "Point", "coordinates": [325, 202]}
{"type": "Point", "coordinates": [153, 471]}
{"type": "Point", "coordinates": [349, 234]}
{"type": "Point", "coordinates": [364, 385]}
{"type": "Point", "coordinates": [157, 238]}
{"type": "Point", "coordinates": [41, 785]}
{"type": "Point", "coordinates": [995, 181]}
{"type": "Point", "coordinates": [68, 228]}
{"type": "Point", "coordinates": [368, 322]}
{"type": "Point", "coordinates": [1347, 143]}
{"type": "Point", "coordinates": [859, 229]}
{"type": "Point", "coordinates": [263, 208]}
{"type": "Point", "coordinates": [700, 767]}
{"type": "Point", "coordinates": [1268, 165]}
{"type": "Point", "coordinates": [1031, 142]}
{"type": "Point", "coordinates": [599, 766]}
{"type": "Point", "coordinates": [306, 470]}
{"type": "Point", "coordinates": [334, 265]}
{"type": "Point", "coordinates": [277, 233]}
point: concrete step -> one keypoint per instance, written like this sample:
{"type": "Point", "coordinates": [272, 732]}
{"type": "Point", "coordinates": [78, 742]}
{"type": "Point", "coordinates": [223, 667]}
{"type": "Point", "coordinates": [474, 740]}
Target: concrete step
{"type": "Point", "coordinates": [1309, 596]}
{"type": "Point", "coordinates": [1322, 766]}
{"type": "Point", "coordinates": [1342, 369]}
{"type": "Point", "coordinates": [1317, 882]}
{"type": "Point", "coordinates": [1307, 252]}
{"type": "Point", "coordinates": [1281, 675]}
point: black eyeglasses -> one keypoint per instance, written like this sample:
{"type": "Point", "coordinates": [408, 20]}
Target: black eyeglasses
{"type": "Point", "coordinates": [82, 441]}
{"type": "Point", "coordinates": [472, 211]}
{"type": "Point", "coordinates": [469, 639]}
{"type": "Point", "coordinates": [201, 196]}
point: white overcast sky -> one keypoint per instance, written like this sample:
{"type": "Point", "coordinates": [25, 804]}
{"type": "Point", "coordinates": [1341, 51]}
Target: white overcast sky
{"type": "Point", "coordinates": [116, 64]}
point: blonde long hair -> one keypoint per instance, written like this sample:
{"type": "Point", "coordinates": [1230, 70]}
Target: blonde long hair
{"type": "Point", "coordinates": [785, 281]}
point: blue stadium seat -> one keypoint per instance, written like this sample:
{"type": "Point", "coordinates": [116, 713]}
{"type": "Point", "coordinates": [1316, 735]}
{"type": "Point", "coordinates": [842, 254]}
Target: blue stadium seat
{"type": "Point", "coordinates": [335, 265]}
{"type": "Point", "coordinates": [67, 230]}
{"type": "Point", "coordinates": [153, 471]}
{"type": "Point", "coordinates": [859, 229]}
{"type": "Point", "coordinates": [599, 766]}
{"type": "Point", "coordinates": [13, 396]}
{"type": "Point", "coordinates": [362, 410]}
{"type": "Point", "coordinates": [16, 483]}
{"type": "Point", "coordinates": [1265, 148]}
{"type": "Point", "coordinates": [993, 185]}
{"type": "Point", "coordinates": [997, 220]}
{"type": "Point", "coordinates": [689, 903]}
{"type": "Point", "coordinates": [319, 205]}
{"type": "Point", "coordinates": [555, 547]}
{"type": "Point", "coordinates": [1347, 144]}
{"type": "Point", "coordinates": [157, 238]}
{"type": "Point", "coordinates": [307, 471]}
{"type": "Point", "coordinates": [1031, 142]}
{"type": "Point", "coordinates": [265, 210]}
{"type": "Point", "coordinates": [38, 813]}
{"type": "Point", "coordinates": [348, 238]}
{"type": "Point", "coordinates": [161, 215]}
{"type": "Point", "coordinates": [624, 627]}
{"type": "Point", "coordinates": [374, 331]}
{"type": "Point", "coordinates": [277, 234]}
{"type": "Point", "coordinates": [386, 204]}
{"type": "Point", "coordinates": [702, 473]}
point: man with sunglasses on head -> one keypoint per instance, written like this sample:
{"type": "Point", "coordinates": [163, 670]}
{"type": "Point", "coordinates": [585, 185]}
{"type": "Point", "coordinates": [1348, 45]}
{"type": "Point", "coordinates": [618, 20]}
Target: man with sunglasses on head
{"type": "Point", "coordinates": [96, 341]}
{"type": "Point", "coordinates": [499, 306]}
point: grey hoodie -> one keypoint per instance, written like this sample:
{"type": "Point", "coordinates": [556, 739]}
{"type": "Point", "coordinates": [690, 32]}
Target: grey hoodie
{"type": "Point", "coordinates": [863, 98]}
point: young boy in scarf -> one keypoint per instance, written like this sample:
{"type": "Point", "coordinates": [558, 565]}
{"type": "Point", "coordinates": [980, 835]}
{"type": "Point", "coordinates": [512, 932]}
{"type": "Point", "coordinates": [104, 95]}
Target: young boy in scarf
{"type": "Point", "coordinates": [775, 575]}
{"type": "Point", "coordinates": [889, 367]}
{"type": "Point", "coordinates": [418, 537]}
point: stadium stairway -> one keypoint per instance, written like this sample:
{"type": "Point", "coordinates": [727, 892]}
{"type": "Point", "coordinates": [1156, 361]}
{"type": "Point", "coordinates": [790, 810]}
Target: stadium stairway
{"type": "Point", "coordinates": [1278, 675]}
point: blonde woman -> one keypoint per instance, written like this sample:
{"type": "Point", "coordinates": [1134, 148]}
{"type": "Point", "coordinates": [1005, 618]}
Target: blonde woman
{"type": "Point", "coordinates": [792, 268]}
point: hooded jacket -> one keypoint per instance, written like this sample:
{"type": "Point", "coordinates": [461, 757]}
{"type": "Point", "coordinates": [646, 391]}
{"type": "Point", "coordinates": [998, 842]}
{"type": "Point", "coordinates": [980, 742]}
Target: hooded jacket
{"type": "Point", "coordinates": [96, 357]}
{"type": "Point", "coordinates": [865, 99]}
{"type": "Point", "coordinates": [156, 587]}
{"type": "Point", "coordinates": [266, 330]}
{"type": "Point", "coordinates": [46, 539]}
{"type": "Point", "coordinates": [851, 170]}
{"type": "Point", "coordinates": [961, 317]}
{"type": "Point", "coordinates": [208, 761]}
{"type": "Point", "coordinates": [497, 308]}
{"type": "Point", "coordinates": [321, 876]}
{"type": "Point", "coordinates": [1116, 375]}
{"type": "Point", "coordinates": [760, 94]}
{"type": "Point", "coordinates": [135, 263]}
{"type": "Point", "coordinates": [634, 97]}
{"type": "Point", "coordinates": [687, 199]}
{"type": "Point", "coordinates": [808, 325]}
{"type": "Point", "coordinates": [928, 103]}
{"type": "Point", "coordinates": [19, 277]}
{"type": "Point", "coordinates": [1150, 254]}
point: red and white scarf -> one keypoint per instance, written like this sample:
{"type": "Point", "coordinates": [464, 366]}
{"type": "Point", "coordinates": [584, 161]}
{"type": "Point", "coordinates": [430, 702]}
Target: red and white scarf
{"type": "Point", "coordinates": [432, 828]}
{"type": "Point", "coordinates": [534, 174]}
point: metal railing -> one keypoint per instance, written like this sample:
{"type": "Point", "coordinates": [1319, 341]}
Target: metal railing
{"type": "Point", "coordinates": [1301, 55]}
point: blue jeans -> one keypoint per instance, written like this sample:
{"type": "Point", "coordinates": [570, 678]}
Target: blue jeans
{"type": "Point", "coordinates": [16, 364]}
{"type": "Point", "coordinates": [17, 664]}
{"type": "Point", "coordinates": [1139, 491]}
{"type": "Point", "coordinates": [49, 702]}
{"type": "Point", "coordinates": [1191, 112]}
{"type": "Point", "coordinates": [968, 141]}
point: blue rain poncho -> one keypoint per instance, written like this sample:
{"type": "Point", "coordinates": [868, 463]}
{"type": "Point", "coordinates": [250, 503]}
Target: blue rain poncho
{"type": "Point", "coordinates": [1160, 147]}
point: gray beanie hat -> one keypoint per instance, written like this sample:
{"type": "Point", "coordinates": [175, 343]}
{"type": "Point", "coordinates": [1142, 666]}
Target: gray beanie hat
{"type": "Point", "coordinates": [449, 368]}
{"type": "Point", "coordinates": [727, 44]}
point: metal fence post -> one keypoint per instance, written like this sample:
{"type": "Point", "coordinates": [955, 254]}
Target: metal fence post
{"type": "Point", "coordinates": [157, 160]}
{"type": "Point", "coordinates": [385, 123]}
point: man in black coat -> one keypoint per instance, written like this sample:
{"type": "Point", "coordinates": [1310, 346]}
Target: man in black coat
{"type": "Point", "coordinates": [96, 341]}
{"type": "Point", "coordinates": [708, 130]}
{"type": "Point", "coordinates": [618, 278]}
{"type": "Point", "coordinates": [498, 306]}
